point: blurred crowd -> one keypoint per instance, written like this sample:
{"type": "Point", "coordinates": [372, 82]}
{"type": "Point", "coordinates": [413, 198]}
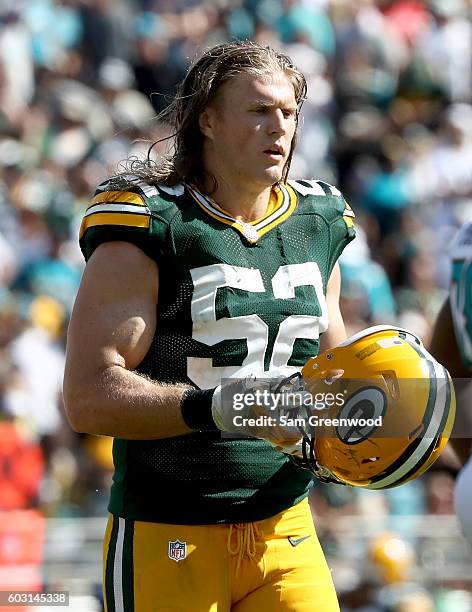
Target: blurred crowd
{"type": "Point", "coordinates": [388, 120]}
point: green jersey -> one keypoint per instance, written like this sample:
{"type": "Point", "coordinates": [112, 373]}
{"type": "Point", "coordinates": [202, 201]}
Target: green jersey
{"type": "Point", "coordinates": [235, 299]}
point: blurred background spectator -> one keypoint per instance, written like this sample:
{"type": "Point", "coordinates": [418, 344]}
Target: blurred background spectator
{"type": "Point", "coordinates": [388, 119]}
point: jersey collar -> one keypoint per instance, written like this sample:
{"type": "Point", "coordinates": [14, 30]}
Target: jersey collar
{"type": "Point", "coordinates": [285, 204]}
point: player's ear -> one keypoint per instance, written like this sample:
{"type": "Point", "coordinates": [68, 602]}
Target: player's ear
{"type": "Point", "coordinates": [206, 121]}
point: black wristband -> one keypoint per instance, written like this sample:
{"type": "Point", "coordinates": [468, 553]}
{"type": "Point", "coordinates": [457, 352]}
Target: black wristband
{"type": "Point", "coordinates": [195, 407]}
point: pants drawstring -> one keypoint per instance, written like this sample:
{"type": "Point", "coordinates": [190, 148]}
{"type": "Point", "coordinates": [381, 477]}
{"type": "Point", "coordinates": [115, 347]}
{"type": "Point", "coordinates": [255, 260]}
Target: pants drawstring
{"type": "Point", "coordinates": [246, 535]}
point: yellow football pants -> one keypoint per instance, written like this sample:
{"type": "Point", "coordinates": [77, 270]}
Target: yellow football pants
{"type": "Point", "coordinates": [274, 565]}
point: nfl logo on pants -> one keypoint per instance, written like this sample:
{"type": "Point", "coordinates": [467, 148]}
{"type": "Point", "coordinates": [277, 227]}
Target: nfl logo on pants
{"type": "Point", "coordinates": [177, 550]}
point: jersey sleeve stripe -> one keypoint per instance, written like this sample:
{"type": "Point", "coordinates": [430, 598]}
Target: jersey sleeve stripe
{"type": "Point", "coordinates": [118, 196]}
{"type": "Point", "coordinates": [117, 207]}
{"type": "Point", "coordinates": [123, 219]}
{"type": "Point", "coordinates": [348, 216]}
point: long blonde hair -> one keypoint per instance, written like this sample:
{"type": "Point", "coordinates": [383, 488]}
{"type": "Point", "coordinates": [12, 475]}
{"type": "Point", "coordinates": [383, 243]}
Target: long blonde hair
{"type": "Point", "coordinates": [204, 78]}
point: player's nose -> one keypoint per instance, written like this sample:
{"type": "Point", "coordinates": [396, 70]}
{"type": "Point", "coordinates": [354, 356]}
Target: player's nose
{"type": "Point", "coordinates": [277, 122]}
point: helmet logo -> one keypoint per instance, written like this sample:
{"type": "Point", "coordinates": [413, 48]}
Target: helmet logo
{"type": "Point", "coordinates": [359, 417]}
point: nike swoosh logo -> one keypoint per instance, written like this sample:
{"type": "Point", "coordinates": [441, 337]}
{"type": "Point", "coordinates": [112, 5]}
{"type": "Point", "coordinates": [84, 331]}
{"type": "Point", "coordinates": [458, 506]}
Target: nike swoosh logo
{"type": "Point", "coordinates": [297, 541]}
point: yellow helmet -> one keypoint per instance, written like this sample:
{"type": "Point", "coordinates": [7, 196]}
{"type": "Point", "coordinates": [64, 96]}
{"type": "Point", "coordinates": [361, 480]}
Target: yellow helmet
{"type": "Point", "coordinates": [392, 557]}
{"type": "Point", "coordinates": [400, 399]}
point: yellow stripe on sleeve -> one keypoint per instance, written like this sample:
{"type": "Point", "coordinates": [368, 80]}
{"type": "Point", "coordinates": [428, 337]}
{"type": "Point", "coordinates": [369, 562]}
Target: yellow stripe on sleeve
{"type": "Point", "coordinates": [123, 219]}
{"type": "Point", "coordinates": [348, 215]}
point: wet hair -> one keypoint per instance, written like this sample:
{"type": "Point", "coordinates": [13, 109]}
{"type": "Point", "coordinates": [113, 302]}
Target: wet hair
{"type": "Point", "coordinates": [204, 78]}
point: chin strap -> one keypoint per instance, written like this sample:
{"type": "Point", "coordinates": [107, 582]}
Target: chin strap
{"type": "Point", "coordinates": [308, 460]}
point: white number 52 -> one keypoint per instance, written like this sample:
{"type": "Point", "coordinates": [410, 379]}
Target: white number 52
{"type": "Point", "coordinates": [209, 330]}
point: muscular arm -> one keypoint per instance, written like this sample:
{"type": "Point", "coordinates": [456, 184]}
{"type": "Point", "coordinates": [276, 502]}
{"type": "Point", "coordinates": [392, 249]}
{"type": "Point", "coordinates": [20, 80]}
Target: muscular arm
{"type": "Point", "coordinates": [336, 331]}
{"type": "Point", "coordinates": [111, 329]}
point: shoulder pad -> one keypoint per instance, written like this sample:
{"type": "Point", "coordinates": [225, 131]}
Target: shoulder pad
{"type": "Point", "coordinates": [117, 207]}
{"type": "Point", "coordinates": [317, 188]}
{"type": "Point", "coordinates": [131, 182]}
{"type": "Point", "coordinates": [128, 201]}
{"type": "Point", "coordinates": [127, 208]}
{"type": "Point", "coordinates": [462, 245]}
{"type": "Point", "coordinates": [325, 194]}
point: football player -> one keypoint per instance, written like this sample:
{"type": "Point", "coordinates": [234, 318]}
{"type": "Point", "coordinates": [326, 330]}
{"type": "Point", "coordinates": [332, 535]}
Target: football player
{"type": "Point", "coordinates": [452, 345]}
{"type": "Point", "coordinates": [205, 266]}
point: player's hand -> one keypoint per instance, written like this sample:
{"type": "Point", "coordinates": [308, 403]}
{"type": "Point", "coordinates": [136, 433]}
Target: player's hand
{"type": "Point", "coordinates": [274, 410]}
{"type": "Point", "coordinates": [257, 407]}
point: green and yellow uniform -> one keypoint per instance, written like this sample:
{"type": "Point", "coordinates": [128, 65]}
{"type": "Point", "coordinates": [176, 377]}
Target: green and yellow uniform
{"type": "Point", "coordinates": [235, 299]}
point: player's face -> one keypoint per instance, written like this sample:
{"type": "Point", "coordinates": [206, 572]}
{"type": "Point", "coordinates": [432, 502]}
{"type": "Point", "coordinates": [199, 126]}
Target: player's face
{"type": "Point", "coordinates": [253, 125]}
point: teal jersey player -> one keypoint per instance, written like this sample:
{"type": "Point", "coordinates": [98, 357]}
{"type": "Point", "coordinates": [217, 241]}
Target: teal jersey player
{"type": "Point", "coordinates": [461, 309]}
{"type": "Point", "coordinates": [452, 343]}
{"type": "Point", "coordinates": [235, 299]}
{"type": "Point", "coordinates": [461, 292]}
